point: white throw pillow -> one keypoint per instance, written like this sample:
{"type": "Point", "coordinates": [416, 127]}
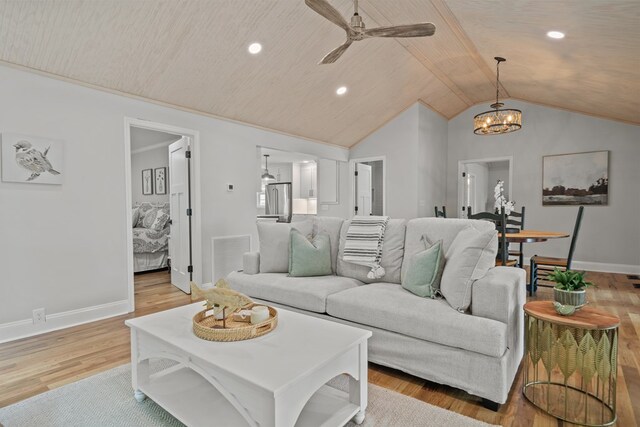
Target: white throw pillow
{"type": "Point", "coordinates": [274, 244]}
{"type": "Point", "coordinates": [160, 220]}
{"type": "Point", "coordinates": [470, 256]}
{"type": "Point", "coordinates": [135, 216]}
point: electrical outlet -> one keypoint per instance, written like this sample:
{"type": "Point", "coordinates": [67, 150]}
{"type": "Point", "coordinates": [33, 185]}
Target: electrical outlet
{"type": "Point", "coordinates": [39, 316]}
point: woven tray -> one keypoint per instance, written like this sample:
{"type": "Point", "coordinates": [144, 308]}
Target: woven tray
{"type": "Point", "coordinates": [209, 328]}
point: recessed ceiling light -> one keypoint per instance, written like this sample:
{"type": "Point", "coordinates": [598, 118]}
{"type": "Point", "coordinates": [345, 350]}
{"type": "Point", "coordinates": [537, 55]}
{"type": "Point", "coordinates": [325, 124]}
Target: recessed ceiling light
{"type": "Point", "coordinates": [555, 34]}
{"type": "Point", "coordinates": [341, 90]}
{"type": "Point", "coordinates": [255, 48]}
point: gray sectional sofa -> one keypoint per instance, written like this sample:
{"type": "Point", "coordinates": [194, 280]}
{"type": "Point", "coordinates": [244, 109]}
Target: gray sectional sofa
{"type": "Point", "coordinates": [476, 347]}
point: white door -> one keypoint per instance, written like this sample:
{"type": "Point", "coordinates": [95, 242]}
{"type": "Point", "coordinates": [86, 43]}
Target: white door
{"type": "Point", "coordinates": [363, 189]}
{"type": "Point", "coordinates": [179, 240]}
{"type": "Point", "coordinates": [470, 194]}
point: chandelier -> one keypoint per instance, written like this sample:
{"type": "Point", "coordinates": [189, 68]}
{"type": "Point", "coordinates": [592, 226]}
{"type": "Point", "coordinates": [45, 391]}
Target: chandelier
{"type": "Point", "coordinates": [499, 120]}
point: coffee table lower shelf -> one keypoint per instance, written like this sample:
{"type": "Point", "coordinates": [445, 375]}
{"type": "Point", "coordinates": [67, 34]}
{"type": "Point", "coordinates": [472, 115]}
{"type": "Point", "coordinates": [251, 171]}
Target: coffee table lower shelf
{"type": "Point", "coordinates": [195, 402]}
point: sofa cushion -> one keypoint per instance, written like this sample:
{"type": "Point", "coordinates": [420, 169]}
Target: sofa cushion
{"type": "Point", "coordinates": [434, 229]}
{"type": "Point", "coordinates": [392, 253]}
{"type": "Point", "coordinates": [331, 226]}
{"type": "Point", "coordinates": [305, 293]}
{"type": "Point", "coordinates": [425, 270]}
{"type": "Point", "coordinates": [309, 258]}
{"type": "Point", "coordinates": [469, 258]}
{"type": "Point", "coordinates": [274, 244]}
{"type": "Point", "coordinates": [390, 307]}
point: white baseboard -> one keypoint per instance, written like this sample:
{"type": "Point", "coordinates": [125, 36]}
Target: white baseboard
{"type": "Point", "coordinates": [25, 328]}
{"type": "Point", "coordinates": [601, 266]}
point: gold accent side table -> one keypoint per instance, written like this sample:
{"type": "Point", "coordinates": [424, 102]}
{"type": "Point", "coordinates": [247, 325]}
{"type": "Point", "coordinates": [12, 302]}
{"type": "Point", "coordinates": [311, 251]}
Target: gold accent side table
{"type": "Point", "coordinates": [571, 363]}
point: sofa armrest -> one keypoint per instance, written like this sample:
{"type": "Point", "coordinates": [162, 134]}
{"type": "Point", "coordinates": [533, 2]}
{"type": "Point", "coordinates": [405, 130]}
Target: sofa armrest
{"type": "Point", "coordinates": [251, 262]}
{"type": "Point", "coordinates": [499, 293]}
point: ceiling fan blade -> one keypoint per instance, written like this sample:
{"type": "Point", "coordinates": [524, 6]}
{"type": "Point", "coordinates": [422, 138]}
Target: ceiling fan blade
{"type": "Point", "coordinates": [336, 53]}
{"type": "Point", "coordinates": [411, 30]}
{"type": "Point", "coordinates": [322, 7]}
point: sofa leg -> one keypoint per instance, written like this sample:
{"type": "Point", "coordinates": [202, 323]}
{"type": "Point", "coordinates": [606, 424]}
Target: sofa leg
{"type": "Point", "coordinates": [490, 405]}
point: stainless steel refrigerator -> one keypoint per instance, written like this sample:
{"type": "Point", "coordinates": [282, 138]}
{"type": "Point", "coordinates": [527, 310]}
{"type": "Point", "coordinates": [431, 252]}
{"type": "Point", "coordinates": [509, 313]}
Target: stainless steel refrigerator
{"type": "Point", "coordinates": [278, 201]}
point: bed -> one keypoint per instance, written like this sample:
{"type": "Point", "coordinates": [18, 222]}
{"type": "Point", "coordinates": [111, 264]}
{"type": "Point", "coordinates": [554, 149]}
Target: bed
{"type": "Point", "coordinates": [150, 236]}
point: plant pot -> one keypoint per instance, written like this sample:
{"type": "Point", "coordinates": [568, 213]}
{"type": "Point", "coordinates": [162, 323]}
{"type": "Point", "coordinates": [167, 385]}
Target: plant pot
{"type": "Point", "coordinates": [575, 298]}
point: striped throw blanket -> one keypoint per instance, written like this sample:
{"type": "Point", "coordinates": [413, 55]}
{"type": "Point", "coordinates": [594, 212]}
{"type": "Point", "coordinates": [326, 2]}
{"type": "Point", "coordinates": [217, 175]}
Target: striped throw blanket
{"type": "Point", "coordinates": [363, 245]}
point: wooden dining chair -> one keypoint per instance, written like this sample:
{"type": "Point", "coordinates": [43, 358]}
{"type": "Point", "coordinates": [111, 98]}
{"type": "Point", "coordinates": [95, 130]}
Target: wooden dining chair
{"type": "Point", "coordinates": [500, 220]}
{"type": "Point", "coordinates": [542, 266]}
{"type": "Point", "coordinates": [442, 213]}
{"type": "Point", "coordinates": [516, 220]}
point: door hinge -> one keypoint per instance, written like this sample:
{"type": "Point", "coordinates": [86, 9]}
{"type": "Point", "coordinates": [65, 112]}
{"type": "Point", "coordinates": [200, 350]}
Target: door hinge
{"type": "Point", "coordinates": [464, 174]}
{"type": "Point", "coordinates": [356, 173]}
{"type": "Point", "coordinates": [187, 154]}
{"type": "Point", "coordinates": [190, 269]}
{"type": "Point", "coordinates": [356, 209]}
{"type": "Point", "coordinates": [189, 212]}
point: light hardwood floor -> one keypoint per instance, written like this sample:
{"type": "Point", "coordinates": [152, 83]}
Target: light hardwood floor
{"type": "Point", "coordinates": [34, 365]}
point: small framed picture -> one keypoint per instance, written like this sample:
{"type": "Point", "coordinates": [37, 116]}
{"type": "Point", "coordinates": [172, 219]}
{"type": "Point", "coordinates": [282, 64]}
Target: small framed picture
{"type": "Point", "coordinates": [161, 180]}
{"type": "Point", "coordinates": [147, 182]}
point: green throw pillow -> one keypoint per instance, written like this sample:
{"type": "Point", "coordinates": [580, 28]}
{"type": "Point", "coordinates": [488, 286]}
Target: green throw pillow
{"type": "Point", "coordinates": [309, 258]}
{"type": "Point", "coordinates": [424, 272]}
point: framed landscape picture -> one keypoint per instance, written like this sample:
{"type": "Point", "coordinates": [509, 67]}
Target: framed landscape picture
{"type": "Point", "coordinates": [576, 179]}
{"type": "Point", "coordinates": [161, 180]}
{"type": "Point", "coordinates": [147, 182]}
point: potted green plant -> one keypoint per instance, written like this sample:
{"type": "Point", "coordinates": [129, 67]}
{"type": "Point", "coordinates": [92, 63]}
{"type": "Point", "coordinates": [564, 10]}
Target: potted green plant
{"type": "Point", "coordinates": [570, 287]}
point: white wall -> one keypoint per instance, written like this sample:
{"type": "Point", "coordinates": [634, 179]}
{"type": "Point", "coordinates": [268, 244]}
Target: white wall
{"type": "Point", "coordinates": [149, 159]}
{"type": "Point", "coordinates": [64, 247]}
{"type": "Point", "coordinates": [432, 160]}
{"type": "Point", "coordinates": [415, 146]}
{"type": "Point", "coordinates": [610, 234]}
{"type": "Point", "coordinates": [398, 142]}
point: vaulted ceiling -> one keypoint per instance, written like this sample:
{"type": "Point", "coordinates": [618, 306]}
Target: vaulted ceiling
{"type": "Point", "coordinates": [193, 54]}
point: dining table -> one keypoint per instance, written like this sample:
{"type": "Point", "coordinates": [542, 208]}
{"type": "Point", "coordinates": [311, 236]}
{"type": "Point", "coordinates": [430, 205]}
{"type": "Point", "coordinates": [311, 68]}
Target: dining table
{"type": "Point", "coordinates": [532, 236]}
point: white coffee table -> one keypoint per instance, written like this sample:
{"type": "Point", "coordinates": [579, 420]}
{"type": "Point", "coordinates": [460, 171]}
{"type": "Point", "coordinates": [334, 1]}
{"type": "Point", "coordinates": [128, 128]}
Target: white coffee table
{"type": "Point", "coordinates": [276, 380]}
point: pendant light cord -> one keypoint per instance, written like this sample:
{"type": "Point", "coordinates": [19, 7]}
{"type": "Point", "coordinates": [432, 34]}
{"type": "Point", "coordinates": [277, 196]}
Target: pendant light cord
{"type": "Point", "coordinates": [497, 84]}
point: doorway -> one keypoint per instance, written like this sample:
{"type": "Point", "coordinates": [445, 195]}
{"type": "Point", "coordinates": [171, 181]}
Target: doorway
{"type": "Point", "coordinates": [368, 186]}
{"type": "Point", "coordinates": [477, 179]}
{"type": "Point", "coordinates": [180, 180]}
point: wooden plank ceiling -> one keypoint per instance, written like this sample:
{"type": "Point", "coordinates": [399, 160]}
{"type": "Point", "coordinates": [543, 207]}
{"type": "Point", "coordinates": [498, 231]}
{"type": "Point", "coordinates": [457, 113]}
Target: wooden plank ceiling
{"type": "Point", "coordinates": [193, 54]}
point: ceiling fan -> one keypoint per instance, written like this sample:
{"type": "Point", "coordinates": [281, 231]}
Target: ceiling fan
{"type": "Point", "coordinates": [356, 30]}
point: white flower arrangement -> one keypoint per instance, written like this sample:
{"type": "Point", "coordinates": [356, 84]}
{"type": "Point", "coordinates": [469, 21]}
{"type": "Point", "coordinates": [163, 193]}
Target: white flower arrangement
{"type": "Point", "coordinates": [501, 200]}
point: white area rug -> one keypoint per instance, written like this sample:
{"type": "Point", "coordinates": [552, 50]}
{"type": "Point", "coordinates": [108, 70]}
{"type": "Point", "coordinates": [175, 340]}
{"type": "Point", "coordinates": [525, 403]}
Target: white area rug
{"type": "Point", "coordinates": [107, 399]}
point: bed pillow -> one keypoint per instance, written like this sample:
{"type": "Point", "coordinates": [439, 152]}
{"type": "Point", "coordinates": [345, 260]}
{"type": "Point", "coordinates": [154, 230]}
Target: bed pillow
{"type": "Point", "coordinates": [470, 256]}
{"type": "Point", "coordinates": [160, 220]}
{"type": "Point", "coordinates": [309, 258]}
{"type": "Point", "coordinates": [135, 217]}
{"type": "Point", "coordinates": [424, 271]}
{"type": "Point", "coordinates": [149, 217]}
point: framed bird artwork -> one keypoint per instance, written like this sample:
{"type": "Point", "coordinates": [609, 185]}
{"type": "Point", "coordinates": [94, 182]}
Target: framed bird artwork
{"type": "Point", "coordinates": [32, 160]}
